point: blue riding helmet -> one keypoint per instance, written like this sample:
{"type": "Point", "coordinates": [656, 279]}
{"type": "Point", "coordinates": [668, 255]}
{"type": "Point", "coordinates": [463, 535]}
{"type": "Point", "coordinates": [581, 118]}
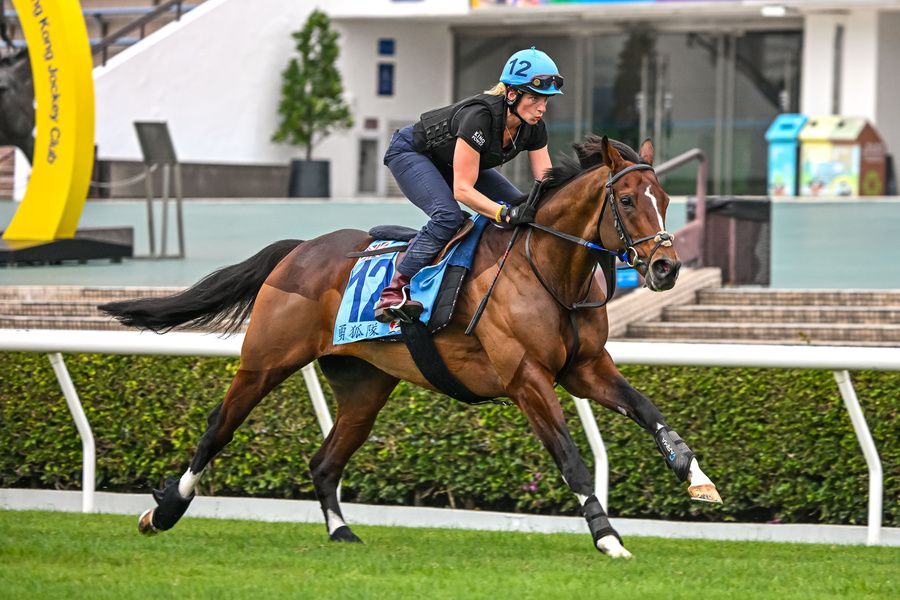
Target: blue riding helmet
{"type": "Point", "coordinates": [534, 71]}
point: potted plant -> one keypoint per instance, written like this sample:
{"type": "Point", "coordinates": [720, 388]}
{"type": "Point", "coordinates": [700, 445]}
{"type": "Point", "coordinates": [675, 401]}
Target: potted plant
{"type": "Point", "coordinates": [312, 104]}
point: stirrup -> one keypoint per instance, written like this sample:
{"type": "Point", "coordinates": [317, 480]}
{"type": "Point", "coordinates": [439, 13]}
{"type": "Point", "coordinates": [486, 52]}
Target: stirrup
{"type": "Point", "coordinates": [405, 310]}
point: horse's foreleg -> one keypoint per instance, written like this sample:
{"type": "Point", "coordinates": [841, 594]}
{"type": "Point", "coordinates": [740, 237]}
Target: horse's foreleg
{"type": "Point", "coordinates": [246, 391]}
{"type": "Point", "coordinates": [532, 390]}
{"type": "Point", "coordinates": [361, 391]}
{"type": "Point", "coordinates": [600, 380]}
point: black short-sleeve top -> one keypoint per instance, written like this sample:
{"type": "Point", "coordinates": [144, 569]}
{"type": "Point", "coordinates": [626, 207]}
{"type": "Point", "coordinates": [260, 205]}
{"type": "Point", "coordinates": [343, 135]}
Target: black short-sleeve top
{"type": "Point", "coordinates": [475, 125]}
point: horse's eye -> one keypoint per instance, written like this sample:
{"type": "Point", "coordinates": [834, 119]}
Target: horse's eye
{"type": "Point", "coordinates": [626, 201]}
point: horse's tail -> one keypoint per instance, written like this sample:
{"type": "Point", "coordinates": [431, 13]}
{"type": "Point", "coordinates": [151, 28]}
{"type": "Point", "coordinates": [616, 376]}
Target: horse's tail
{"type": "Point", "coordinates": [220, 301]}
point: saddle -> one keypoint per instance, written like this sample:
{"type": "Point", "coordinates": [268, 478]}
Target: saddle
{"type": "Point", "coordinates": [399, 233]}
{"type": "Point", "coordinates": [446, 275]}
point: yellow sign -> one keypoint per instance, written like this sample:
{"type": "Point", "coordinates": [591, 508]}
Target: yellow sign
{"type": "Point", "coordinates": [64, 120]}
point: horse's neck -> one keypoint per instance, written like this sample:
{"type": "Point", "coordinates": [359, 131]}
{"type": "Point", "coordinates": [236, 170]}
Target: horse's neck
{"type": "Point", "coordinates": [573, 209]}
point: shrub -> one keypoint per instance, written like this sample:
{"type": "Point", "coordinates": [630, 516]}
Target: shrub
{"type": "Point", "coordinates": [779, 444]}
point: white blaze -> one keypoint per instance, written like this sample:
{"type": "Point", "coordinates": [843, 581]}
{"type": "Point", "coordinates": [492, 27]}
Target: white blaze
{"type": "Point", "coordinates": [650, 195]}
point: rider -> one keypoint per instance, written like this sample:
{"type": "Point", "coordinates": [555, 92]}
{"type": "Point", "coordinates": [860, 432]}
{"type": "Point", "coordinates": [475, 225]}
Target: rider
{"type": "Point", "coordinates": [449, 155]}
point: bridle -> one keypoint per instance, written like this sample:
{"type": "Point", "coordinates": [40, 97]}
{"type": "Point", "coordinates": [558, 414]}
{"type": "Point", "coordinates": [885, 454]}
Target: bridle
{"type": "Point", "coordinates": [662, 238]}
{"type": "Point", "coordinates": [628, 256]}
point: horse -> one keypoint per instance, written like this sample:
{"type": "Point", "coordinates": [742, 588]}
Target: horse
{"type": "Point", "coordinates": [16, 97]}
{"type": "Point", "coordinates": [533, 333]}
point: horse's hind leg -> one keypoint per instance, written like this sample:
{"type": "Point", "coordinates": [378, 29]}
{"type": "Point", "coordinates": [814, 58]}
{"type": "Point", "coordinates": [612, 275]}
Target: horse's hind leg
{"type": "Point", "coordinates": [273, 349]}
{"type": "Point", "coordinates": [361, 391]}
{"type": "Point", "coordinates": [247, 389]}
{"type": "Point", "coordinates": [600, 380]}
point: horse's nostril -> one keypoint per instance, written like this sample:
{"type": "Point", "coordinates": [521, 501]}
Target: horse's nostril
{"type": "Point", "coordinates": [662, 266]}
{"type": "Point", "coordinates": [665, 268]}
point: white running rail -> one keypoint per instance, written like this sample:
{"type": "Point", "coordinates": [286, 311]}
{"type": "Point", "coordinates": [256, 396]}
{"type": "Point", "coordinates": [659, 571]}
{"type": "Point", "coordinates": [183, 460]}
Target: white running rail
{"type": "Point", "coordinates": [837, 359]}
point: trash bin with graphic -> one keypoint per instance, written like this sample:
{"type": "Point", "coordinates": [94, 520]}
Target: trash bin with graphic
{"type": "Point", "coordinates": [841, 156]}
{"type": "Point", "coordinates": [783, 136]}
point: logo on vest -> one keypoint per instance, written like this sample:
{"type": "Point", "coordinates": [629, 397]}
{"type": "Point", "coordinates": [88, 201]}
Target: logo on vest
{"type": "Point", "coordinates": [478, 138]}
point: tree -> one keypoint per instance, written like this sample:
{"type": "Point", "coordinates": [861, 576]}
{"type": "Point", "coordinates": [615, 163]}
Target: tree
{"type": "Point", "coordinates": [311, 90]}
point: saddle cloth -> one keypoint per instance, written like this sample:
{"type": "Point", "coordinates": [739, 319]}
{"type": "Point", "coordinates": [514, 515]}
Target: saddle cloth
{"type": "Point", "coordinates": [431, 286]}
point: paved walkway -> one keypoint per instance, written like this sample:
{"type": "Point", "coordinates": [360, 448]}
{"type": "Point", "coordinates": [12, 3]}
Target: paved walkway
{"type": "Point", "coordinates": [217, 233]}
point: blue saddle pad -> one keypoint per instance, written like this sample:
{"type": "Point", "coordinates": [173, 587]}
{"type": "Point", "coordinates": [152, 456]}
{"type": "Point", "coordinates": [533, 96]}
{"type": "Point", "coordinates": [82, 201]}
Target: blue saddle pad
{"type": "Point", "coordinates": [356, 316]}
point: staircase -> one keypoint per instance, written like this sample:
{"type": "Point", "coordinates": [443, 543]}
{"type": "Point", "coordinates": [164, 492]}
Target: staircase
{"type": "Point", "coordinates": [65, 307]}
{"type": "Point", "coordinates": [700, 311]}
{"type": "Point", "coordinates": [763, 316]}
{"type": "Point", "coordinates": [105, 17]}
{"type": "Point", "coordinates": [7, 172]}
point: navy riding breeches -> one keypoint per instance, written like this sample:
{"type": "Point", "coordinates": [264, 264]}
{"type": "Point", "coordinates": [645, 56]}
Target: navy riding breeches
{"type": "Point", "coordinates": [430, 187]}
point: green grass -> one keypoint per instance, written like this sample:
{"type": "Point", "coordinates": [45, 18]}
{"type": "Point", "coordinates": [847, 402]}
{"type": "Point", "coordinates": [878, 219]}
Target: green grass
{"type": "Point", "coordinates": [60, 555]}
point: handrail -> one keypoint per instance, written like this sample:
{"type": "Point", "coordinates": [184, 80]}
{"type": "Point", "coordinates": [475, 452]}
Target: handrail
{"type": "Point", "coordinates": [110, 40]}
{"type": "Point", "coordinates": [833, 358]}
{"type": "Point", "coordinates": [689, 240]}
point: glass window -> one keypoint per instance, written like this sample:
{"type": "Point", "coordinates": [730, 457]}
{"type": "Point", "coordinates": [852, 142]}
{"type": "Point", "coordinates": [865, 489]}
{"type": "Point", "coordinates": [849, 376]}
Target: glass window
{"type": "Point", "coordinates": [714, 91]}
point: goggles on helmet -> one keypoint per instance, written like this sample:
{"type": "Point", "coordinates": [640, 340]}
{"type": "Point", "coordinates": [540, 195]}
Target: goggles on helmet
{"type": "Point", "coordinates": [545, 82]}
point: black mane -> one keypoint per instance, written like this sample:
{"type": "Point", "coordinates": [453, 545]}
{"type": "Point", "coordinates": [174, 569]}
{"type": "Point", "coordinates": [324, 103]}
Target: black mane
{"type": "Point", "coordinates": [589, 156]}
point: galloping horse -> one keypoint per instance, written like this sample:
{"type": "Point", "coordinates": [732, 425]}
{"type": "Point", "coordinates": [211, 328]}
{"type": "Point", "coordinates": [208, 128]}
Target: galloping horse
{"type": "Point", "coordinates": [525, 341]}
{"type": "Point", "coordinates": [16, 97]}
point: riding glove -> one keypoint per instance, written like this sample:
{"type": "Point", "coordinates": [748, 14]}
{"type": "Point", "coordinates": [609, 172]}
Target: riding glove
{"type": "Point", "coordinates": [518, 215]}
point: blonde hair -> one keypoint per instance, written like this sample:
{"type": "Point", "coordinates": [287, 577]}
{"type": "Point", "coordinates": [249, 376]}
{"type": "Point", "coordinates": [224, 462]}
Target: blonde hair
{"type": "Point", "coordinates": [497, 90]}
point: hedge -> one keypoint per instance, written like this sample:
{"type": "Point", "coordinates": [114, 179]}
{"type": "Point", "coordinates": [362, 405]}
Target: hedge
{"type": "Point", "coordinates": [779, 444]}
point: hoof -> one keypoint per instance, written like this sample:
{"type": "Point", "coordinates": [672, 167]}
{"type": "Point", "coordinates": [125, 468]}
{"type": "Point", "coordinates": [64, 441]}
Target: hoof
{"type": "Point", "coordinates": [343, 534]}
{"type": "Point", "coordinates": [706, 492]}
{"type": "Point", "coordinates": [612, 547]}
{"type": "Point", "coordinates": [145, 523]}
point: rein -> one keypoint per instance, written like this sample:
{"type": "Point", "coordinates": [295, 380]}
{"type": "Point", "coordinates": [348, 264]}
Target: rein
{"type": "Point", "coordinates": [629, 256]}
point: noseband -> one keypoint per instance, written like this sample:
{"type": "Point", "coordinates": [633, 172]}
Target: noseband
{"type": "Point", "coordinates": [661, 238]}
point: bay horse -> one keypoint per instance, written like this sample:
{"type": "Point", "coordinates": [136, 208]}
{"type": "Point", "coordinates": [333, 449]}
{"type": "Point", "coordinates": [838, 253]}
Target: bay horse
{"type": "Point", "coordinates": [525, 342]}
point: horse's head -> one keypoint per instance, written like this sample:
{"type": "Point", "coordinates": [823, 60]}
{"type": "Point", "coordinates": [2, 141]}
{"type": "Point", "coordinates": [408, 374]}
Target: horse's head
{"type": "Point", "coordinates": [634, 210]}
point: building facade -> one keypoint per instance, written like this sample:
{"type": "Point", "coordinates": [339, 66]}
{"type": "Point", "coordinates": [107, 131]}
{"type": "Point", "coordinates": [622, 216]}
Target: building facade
{"type": "Point", "coordinates": [707, 74]}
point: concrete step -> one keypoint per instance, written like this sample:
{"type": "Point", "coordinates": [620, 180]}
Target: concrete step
{"type": "Point", "coordinates": [39, 308]}
{"type": "Point", "coordinates": [702, 314]}
{"type": "Point", "coordinates": [62, 322]}
{"type": "Point", "coordinates": [766, 297]}
{"type": "Point", "coordinates": [82, 293]}
{"type": "Point", "coordinates": [790, 333]}
{"type": "Point", "coordinates": [33, 322]}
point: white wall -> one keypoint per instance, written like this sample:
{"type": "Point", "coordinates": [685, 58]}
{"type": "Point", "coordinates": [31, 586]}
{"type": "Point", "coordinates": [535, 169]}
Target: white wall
{"type": "Point", "coordinates": [423, 64]}
{"type": "Point", "coordinates": [396, 8]}
{"type": "Point", "coordinates": [215, 77]}
{"type": "Point", "coordinates": [887, 107]}
{"type": "Point", "coordinates": [817, 78]}
{"type": "Point", "coordinates": [859, 79]}
{"type": "Point", "coordinates": [869, 82]}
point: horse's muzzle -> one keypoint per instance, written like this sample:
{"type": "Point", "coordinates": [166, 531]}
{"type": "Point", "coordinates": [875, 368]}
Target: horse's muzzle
{"type": "Point", "coordinates": [662, 274]}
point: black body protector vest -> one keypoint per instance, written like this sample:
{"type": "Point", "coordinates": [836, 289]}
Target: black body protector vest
{"type": "Point", "coordinates": [439, 133]}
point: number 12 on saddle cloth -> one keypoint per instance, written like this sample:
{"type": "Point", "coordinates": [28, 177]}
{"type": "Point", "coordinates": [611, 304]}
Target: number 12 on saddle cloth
{"type": "Point", "coordinates": [356, 316]}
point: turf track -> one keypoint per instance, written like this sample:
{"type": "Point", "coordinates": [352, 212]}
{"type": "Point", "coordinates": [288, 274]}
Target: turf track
{"type": "Point", "coordinates": [60, 555]}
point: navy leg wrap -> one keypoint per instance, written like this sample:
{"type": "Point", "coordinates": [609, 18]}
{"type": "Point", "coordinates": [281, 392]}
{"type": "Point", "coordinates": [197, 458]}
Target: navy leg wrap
{"type": "Point", "coordinates": [597, 520]}
{"type": "Point", "coordinates": [171, 505]}
{"type": "Point", "coordinates": [677, 454]}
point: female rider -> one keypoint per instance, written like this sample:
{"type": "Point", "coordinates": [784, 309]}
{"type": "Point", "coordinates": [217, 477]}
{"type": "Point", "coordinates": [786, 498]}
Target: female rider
{"type": "Point", "coordinates": [449, 155]}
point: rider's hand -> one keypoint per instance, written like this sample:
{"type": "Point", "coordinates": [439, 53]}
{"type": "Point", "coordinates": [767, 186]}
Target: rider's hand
{"type": "Point", "coordinates": [519, 215]}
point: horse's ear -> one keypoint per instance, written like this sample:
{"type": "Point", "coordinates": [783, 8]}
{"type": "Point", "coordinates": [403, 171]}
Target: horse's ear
{"type": "Point", "coordinates": [646, 151]}
{"type": "Point", "coordinates": [611, 156]}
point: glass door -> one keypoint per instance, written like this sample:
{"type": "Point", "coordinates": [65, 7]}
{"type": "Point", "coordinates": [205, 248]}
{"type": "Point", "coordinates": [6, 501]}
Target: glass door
{"type": "Point", "coordinates": [714, 91]}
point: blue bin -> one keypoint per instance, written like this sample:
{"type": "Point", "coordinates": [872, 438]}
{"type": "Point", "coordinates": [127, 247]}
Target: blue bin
{"type": "Point", "coordinates": [784, 151]}
{"type": "Point", "coordinates": [627, 277]}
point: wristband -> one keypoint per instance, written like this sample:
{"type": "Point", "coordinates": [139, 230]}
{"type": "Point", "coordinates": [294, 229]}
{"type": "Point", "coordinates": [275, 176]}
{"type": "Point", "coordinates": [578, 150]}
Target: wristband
{"type": "Point", "coordinates": [499, 211]}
